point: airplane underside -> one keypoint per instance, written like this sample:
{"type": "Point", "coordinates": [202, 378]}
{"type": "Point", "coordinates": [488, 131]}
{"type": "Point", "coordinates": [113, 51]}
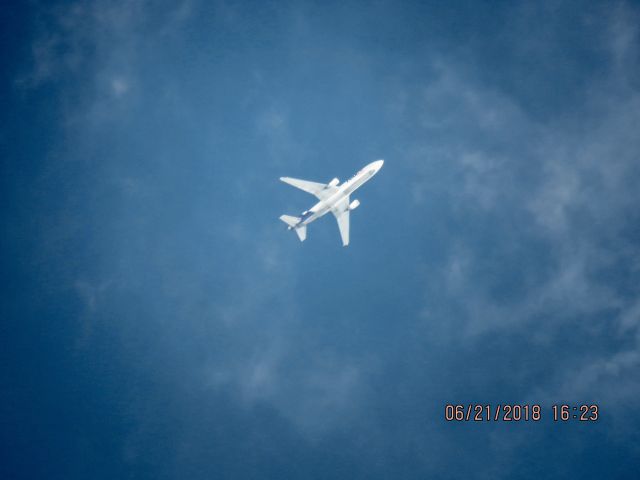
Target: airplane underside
{"type": "Point", "coordinates": [332, 197]}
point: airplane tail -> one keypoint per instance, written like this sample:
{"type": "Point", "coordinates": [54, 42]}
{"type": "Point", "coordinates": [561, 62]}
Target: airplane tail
{"type": "Point", "coordinates": [302, 232]}
{"type": "Point", "coordinates": [292, 222]}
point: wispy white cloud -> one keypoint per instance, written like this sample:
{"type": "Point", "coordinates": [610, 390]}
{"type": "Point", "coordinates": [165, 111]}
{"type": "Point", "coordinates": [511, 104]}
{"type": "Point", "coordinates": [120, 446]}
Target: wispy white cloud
{"type": "Point", "coordinates": [274, 127]}
{"type": "Point", "coordinates": [568, 184]}
{"type": "Point", "coordinates": [98, 44]}
{"type": "Point", "coordinates": [314, 390]}
{"type": "Point", "coordinates": [565, 185]}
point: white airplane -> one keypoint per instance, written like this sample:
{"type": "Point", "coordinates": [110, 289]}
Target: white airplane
{"type": "Point", "coordinates": [333, 198]}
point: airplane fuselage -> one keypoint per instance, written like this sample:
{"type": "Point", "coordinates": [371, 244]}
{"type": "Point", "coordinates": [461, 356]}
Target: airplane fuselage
{"type": "Point", "coordinates": [333, 198]}
{"type": "Point", "coordinates": [347, 188]}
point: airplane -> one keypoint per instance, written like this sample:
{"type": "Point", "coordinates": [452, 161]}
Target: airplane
{"type": "Point", "coordinates": [333, 198]}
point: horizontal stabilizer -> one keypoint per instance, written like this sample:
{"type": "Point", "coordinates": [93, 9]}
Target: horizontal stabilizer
{"type": "Point", "coordinates": [290, 220]}
{"type": "Point", "coordinates": [302, 232]}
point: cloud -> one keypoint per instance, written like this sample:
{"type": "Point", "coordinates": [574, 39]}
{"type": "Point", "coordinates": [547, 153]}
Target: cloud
{"type": "Point", "coordinates": [269, 362]}
{"type": "Point", "coordinates": [523, 220]}
{"type": "Point", "coordinates": [540, 246]}
{"type": "Point", "coordinates": [119, 86]}
{"type": "Point", "coordinates": [274, 127]}
{"type": "Point", "coordinates": [100, 46]}
{"type": "Point", "coordinates": [547, 204]}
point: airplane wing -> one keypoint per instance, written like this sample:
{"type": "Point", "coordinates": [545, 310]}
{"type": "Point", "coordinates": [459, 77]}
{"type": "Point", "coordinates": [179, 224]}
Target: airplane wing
{"type": "Point", "coordinates": [341, 212]}
{"type": "Point", "coordinates": [320, 190]}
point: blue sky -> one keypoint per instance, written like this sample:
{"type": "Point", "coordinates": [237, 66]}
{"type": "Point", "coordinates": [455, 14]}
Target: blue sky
{"type": "Point", "coordinates": [158, 321]}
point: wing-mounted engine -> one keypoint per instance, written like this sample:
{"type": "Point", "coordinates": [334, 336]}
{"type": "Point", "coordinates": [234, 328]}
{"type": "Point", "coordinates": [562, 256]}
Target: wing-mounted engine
{"type": "Point", "coordinates": [355, 204]}
{"type": "Point", "coordinates": [334, 182]}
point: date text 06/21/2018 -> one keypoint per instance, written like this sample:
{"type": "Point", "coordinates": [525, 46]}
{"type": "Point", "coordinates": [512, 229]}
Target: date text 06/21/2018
{"type": "Point", "coordinates": [517, 413]}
